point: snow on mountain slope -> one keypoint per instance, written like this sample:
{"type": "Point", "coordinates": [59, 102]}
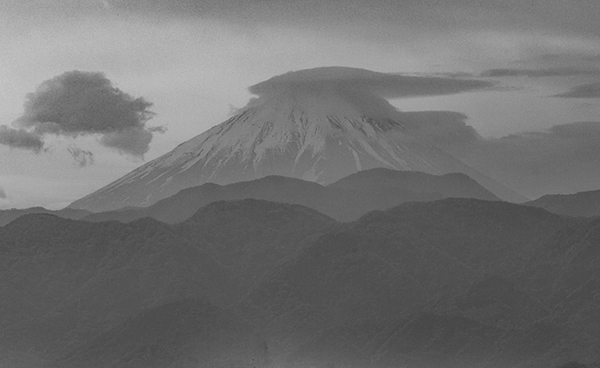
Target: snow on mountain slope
{"type": "Point", "coordinates": [318, 131]}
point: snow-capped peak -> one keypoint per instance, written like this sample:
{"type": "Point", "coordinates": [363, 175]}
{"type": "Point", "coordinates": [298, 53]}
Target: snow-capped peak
{"type": "Point", "coordinates": [315, 126]}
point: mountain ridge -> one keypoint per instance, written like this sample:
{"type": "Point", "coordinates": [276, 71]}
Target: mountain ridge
{"type": "Point", "coordinates": [345, 200]}
{"type": "Point", "coordinates": [457, 281]}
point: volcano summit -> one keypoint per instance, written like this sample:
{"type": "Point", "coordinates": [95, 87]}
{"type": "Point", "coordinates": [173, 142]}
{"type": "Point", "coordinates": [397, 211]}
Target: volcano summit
{"type": "Point", "coordinates": [319, 124]}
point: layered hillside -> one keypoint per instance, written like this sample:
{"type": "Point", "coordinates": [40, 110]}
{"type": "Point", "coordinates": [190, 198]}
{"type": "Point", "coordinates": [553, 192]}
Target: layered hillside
{"type": "Point", "coordinates": [345, 200]}
{"type": "Point", "coordinates": [454, 283]}
{"type": "Point", "coordinates": [74, 291]}
{"type": "Point", "coordinates": [451, 283]}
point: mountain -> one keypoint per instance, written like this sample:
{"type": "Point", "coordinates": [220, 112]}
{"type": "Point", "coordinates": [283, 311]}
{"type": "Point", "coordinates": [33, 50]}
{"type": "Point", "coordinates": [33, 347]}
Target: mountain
{"type": "Point", "coordinates": [456, 282]}
{"type": "Point", "coordinates": [313, 129]}
{"type": "Point", "coordinates": [585, 204]}
{"type": "Point", "coordinates": [64, 280]}
{"type": "Point", "coordinates": [345, 200]}
{"type": "Point", "coordinates": [250, 237]}
{"type": "Point", "coordinates": [72, 290]}
{"type": "Point", "coordinates": [450, 283]}
{"type": "Point", "coordinates": [452, 185]}
{"type": "Point", "coordinates": [412, 253]}
{"type": "Point", "coordinates": [6, 216]}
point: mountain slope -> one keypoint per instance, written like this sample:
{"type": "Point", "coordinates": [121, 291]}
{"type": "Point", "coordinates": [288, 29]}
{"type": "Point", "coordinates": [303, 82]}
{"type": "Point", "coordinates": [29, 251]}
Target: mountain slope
{"type": "Point", "coordinates": [429, 284]}
{"type": "Point", "coordinates": [251, 237]}
{"type": "Point", "coordinates": [453, 283]}
{"type": "Point", "coordinates": [63, 281]}
{"type": "Point", "coordinates": [422, 245]}
{"type": "Point", "coordinates": [313, 131]}
{"type": "Point", "coordinates": [73, 290]}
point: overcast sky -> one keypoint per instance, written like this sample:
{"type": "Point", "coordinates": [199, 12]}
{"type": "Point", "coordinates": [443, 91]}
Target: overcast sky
{"type": "Point", "coordinates": [175, 68]}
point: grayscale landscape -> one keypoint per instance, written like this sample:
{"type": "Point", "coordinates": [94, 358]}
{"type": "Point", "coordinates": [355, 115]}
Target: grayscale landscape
{"type": "Point", "coordinates": [278, 184]}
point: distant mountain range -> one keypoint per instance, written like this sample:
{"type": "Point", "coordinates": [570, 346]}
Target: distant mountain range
{"type": "Point", "coordinates": [344, 200]}
{"type": "Point", "coordinates": [454, 282]}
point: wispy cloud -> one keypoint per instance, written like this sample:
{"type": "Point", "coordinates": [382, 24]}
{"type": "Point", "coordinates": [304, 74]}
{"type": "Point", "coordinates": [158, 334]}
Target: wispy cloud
{"type": "Point", "coordinates": [562, 159]}
{"type": "Point", "coordinates": [82, 157]}
{"type": "Point", "coordinates": [540, 73]}
{"type": "Point", "coordinates": [364, 81]}
{"type": "Point", "coordinates": [591, 90]}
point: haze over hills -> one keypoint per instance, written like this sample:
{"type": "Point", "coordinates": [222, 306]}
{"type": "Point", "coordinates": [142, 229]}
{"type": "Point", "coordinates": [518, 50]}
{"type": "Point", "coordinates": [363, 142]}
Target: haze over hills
{"type": "Point", "coordinates": [307, 124]}
{"type": "Point", "coordinates": [345, 200]}
{"type": "Point", "coordinates": [249, 283]}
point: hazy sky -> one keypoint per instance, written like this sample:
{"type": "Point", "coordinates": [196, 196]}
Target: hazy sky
{"type": "Point", "coordinates": [176, 68]}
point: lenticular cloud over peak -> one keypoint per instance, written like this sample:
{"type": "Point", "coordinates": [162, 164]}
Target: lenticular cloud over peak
{"type": "Point", "coordinates": [387, 85]}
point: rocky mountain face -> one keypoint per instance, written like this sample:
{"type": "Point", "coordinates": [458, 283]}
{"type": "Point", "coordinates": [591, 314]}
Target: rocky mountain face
{"type": "Point", "coordinates": [314, 132]}
{"type": "Point", "coordinates": [456, 282]}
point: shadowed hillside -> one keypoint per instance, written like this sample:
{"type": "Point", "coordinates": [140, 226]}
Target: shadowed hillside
{"type": "Point", "coordinates": [454, 283]}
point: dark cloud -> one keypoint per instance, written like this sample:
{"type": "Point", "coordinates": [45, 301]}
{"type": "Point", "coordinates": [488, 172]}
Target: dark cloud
{"type": "Point", "coordinates": [591, 90]}
{"type": "Point", "coordinates": [2, 193]}
{"type": "Point", "coordinates": [82, 157]}
{"type": "Point", "coordinates": [539, 73]}
{"type": "Point", "coordinates": [368, 82]}
{"type": "Point", "coordinates": [376, 19]}
{"type": "Point", "coordinates": [79, 104]}
{"type": "Point", "coordinates": [426, 15]}
{"type": "Point", "coordinates": [21, 138]}
{"type": "Point", "coordinates": [134, 141]}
